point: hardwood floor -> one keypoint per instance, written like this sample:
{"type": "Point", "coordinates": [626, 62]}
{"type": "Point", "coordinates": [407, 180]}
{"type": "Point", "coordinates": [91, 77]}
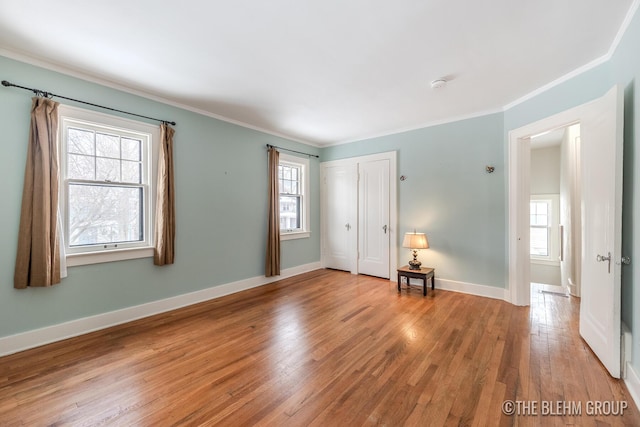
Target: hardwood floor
{"type": "Point", "coordinates": [326, 349]}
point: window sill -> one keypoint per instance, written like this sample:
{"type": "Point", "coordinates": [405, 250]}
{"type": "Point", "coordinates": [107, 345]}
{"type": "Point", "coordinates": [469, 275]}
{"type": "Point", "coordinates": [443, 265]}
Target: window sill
{"type": "Point", "coordinates": [108, 256]}
{"type": "Point", "coordinates": [545, 262]}
{"type": "Point", "coordinates": [295, 235]}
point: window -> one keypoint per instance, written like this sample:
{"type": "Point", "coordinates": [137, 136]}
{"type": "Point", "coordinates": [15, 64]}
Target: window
{"type": "Point", "coordinates": [106, 186]}
{"type": "Point", "coordinates": [294, 205]}
{"type": "Point", "coordinates": [544, 229]}
{"type": "Point", "coordinates": [540, 231]}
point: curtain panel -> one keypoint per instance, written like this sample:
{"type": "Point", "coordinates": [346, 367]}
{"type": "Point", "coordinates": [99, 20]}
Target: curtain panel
{"type": "Point", "coordinates": [38, 256]}
{"type": "Point", "coordinates": [165, 223]}
{"type": "Point", "coordinates": [272, 262]}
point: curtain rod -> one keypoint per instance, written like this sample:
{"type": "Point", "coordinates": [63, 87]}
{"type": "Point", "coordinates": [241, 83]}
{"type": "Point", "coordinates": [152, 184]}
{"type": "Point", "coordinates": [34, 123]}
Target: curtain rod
{"type": "Point", "coordinates": [293, 151]}
{"type": "Point", "coordinates": [45, 94]}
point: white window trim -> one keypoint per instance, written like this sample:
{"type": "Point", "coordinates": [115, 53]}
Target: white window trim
{"type": "Point", "coordinates": [69, 114]}
{"type": "Point", "coordinates": [305, 232]}
{"type": "Point", "coordinates": [554, 231]}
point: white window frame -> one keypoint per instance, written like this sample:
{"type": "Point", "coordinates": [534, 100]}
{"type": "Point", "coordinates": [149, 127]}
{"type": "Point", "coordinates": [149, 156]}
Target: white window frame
{"type": "Point", "coordinates": [303, 165]}
{"type": "Point", "coordinates": [150, 134]}
{"type": "Point", "coordinates": [553, 229]}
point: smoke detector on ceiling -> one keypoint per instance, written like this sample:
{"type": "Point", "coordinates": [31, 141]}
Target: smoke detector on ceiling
{"type": "Point", "coordinates": [438, 83]}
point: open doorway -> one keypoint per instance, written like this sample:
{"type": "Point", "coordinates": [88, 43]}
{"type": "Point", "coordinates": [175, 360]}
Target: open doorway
{"type": "Point", "coordinates": [601, 143]}
{"type": "Point", "coordinates": [555, 230]}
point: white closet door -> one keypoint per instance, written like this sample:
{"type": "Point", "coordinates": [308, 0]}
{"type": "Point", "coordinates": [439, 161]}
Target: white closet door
{"type": "Point", "coordinates": [373, 218]}
{"type": "Point", "coordinates": [339, 227]}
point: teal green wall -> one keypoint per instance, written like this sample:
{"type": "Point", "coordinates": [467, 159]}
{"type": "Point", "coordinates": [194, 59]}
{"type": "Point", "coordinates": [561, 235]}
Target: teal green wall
{"type": "Point", "coordinates": [221, 203]}
{"type": "Point", "coordinates": [448, 195]}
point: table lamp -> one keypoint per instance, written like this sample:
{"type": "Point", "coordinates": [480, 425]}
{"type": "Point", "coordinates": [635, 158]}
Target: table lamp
{"type": "Point", "coordinates": [415, 241]}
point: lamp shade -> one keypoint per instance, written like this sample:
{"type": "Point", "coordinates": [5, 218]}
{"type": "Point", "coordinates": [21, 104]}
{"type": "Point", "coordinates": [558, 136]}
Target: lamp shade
{"type": "Point", "coordinates": [415, 241]}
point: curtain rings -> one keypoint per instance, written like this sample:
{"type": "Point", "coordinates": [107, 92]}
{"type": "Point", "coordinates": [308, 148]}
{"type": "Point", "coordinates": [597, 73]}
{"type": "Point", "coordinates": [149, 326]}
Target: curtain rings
{"type": "Point", "coordinates": [42, 93]}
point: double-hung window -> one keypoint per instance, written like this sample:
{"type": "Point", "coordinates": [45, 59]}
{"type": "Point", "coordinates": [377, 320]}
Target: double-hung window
{"type": "Point", "coordinates": [107, 186]}
{"type": "Point", "coordinates": [544, 228]}
{"type": "Point", "coordinates": [294, 204]}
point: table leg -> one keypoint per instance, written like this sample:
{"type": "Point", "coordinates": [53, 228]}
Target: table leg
{"type": "Point", "coordinates": [424, 287]}
{"type": "Point", "coordinates": [399, 282]}
{"type": "Point", "coordinates": [433, 281]}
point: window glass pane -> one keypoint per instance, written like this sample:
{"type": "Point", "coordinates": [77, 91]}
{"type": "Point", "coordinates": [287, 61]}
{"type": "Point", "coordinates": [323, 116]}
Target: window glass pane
{"type": "Point", "coordinates": [104, 214]}
{"type": "Point", "coordinates": [131, 149]}
{"type": "Point", "coordinates": [290, 218]}
{"type": "Point", "coordinates": [286, 172]}
{"type": "Point", "coordinates": [539, 213]}
{"type": "Point", "coordinates": [80, 142]}
{"type": "Point", "coordinates": [131, 172]}
{"type": "Point", "coordinates": [539, 241]}
{"type": "Point", "coordinates": [286, 187]}
{"type": "Point", "coordinates": [280, 173]}
{"type": "Point", "coordinates": [80, 167]}
{"type": "Point", "coordinates": [294, 188]}
{"type": "Point", "coordinates": [107, 170]}
{"type": "Point", "coordinates": [294, 174]}
{"type": "Point", "coordinates": [107, 145]}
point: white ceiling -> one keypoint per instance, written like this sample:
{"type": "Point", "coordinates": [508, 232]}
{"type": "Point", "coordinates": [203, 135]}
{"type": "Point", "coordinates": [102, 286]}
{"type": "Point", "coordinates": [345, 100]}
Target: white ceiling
{"type": "Point", "coordinates": [548, 139]}
{"type": "Point", "coordinates": [318, 71]}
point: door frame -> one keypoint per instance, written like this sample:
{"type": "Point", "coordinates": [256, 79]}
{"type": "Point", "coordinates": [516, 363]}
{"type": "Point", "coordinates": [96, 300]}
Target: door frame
{"type": "Point", "coordinates": [393, 207]}
{"type": "Point", "coordinates": [519, 177]}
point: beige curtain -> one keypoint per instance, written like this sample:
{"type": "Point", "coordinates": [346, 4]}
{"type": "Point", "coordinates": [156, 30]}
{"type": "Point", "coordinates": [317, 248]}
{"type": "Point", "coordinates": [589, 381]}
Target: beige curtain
{"type": "Point", "coordinates": [38, 258]}
{"type": "Point", "coordinates": [272, 264]}
{"type": "Point", "coordinates": [165, 227]}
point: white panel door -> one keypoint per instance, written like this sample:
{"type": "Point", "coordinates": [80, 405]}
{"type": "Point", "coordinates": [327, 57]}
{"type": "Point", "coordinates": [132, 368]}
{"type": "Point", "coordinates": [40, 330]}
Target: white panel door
{"type": "Point", "coordinates": [601, 170]}
{"type": "Point", "coordinates": [373, 218]}
{"type": "Point", "coordinates": [339, 227]}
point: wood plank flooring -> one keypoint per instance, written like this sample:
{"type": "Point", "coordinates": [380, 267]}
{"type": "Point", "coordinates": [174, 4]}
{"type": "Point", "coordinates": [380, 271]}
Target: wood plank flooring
{"type": "Point", "coordinates": [322, 349]}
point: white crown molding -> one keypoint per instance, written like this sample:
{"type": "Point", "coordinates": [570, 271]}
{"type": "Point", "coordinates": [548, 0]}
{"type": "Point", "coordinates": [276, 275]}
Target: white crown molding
{"type": "Point", "coordinates": [49, 334]}
{"type": "Point", "coordinates": [623, 28]}
{"type": "Point", "coordinates": [592, 64]}
{"type": "Point", "coordinates": [557, 82]}
{"type": "Point", "coordinates": [417, 127]}
{"type": "Point", "coordinates": [21, 57]}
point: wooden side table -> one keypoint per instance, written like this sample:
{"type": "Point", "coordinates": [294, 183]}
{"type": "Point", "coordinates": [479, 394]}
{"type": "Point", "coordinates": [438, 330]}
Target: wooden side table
{"type": "Point", "coordinates": [424, 274]}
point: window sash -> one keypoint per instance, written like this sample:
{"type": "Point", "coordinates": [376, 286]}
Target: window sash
{"type": "Point", "coordinates": [535, 249]}
{"type": "Point", "coordinates": [116, 222]}
{"type": "Point", "coordinates": [131, 159]}
{"type": "Point", "coordinates": [289, 216]}
{"type": "Point", "coordinates": [544, 215]}
{"type": "Point", "coordinates": [291, 183]}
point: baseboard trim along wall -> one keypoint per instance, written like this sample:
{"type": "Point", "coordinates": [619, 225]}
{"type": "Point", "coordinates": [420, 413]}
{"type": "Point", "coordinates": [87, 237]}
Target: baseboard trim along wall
{"type": "Point", "coordinates": [632, 381]}
{"type": "Point", "coordinates": [37, 337]}
{"type": "Point", "coordinates": [473, 289]}
{"type": "Point", "coordinates": [467, 288]}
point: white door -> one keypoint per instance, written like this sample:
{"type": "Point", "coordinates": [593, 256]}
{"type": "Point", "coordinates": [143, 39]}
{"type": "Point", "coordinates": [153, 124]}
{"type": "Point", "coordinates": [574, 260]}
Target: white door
{"type": "Point", "coordinates": [339, 228]}
{"type": "Point", "coordinates": [601, 167]}
{"type": "Point", "coordinates": [373, 218]}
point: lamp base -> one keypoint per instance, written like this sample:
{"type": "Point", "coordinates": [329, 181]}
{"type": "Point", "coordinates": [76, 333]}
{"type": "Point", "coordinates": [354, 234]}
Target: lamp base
{"type": "Point", "coordinates": [414, 264]}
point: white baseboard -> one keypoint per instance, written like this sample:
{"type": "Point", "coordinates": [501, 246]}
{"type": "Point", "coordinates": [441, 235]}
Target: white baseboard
{"type": "Point", "coordinates": [473, 289]}
{"type": "Point", "coordinates": [37, 337]}
{"type": "Point", "coordinates": [632, 381]}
